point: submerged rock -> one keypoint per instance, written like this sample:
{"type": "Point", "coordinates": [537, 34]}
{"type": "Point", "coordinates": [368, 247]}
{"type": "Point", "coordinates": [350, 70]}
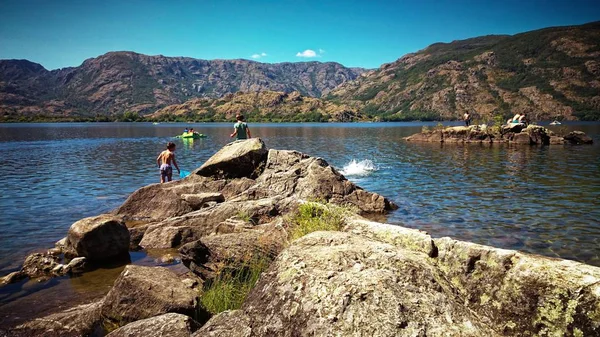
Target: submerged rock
{"type": "Point", "coordinates": [98, 238]}
{"type": "Point", "coordinates": [143, 292]}
{"type": "Point", "coordinates": [172, 325]}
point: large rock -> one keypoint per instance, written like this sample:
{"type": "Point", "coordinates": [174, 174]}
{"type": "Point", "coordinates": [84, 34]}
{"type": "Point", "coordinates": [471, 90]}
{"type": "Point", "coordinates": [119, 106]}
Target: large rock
{"type": "Point", "coordinates": [578, 137]}
{"type": "Point", "coordinates": [98, 238]}
{"type": "Point", "coordinates": [242, 158]}
{"type": "Point", "coordinates": [341, 284]}
{"type": "Point", "coordinates": [291, 174]}
{"type": "Point", "coordinates": [161, 201]}
{"type": "Point", "coordinates": [82, 320]}
{"type": "Point", "coordinates": [171, 325]}
{"type": "Point", "coordinates": [384, 280]}
{"type": "Point", "coordinates": [522, 294]}
{"type": "Point", "coordinates": [143, 292]}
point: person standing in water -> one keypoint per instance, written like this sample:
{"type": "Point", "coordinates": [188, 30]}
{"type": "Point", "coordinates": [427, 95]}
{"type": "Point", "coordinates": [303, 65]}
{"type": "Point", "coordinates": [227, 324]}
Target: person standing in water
{"type": "Point", "coordinates": [164, 161]}
{"type": "Point", "coordinates": [240, 129]}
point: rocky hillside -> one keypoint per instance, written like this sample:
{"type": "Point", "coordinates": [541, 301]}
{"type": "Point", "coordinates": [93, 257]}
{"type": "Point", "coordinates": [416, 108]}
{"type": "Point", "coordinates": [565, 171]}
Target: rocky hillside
{"type": "Point", "coordinates": [126, 81]}
{"type": "Point", "coordinates": [259, 106]}
{"type": "Point", "coordinates": [549, 73]}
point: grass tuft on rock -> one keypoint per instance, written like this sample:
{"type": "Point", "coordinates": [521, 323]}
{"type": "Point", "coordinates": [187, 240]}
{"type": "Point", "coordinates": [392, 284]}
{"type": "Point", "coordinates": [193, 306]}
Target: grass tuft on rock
{"type": "Point", "coordinates": [315, 216]}
{"type": "Point", "coordinates": [229, 289]}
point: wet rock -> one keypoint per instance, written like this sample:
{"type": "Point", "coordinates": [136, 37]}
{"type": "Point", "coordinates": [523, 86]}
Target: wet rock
{"type": "Point", "coordinates": [521, 138]}
{"type": "Point", "coordinates": [98, 238]}
{"type": "Point", "coordinates": [40, 265]}
{"type": "Point", "coordinates": [196, 201]}
{"type": "Point", "coordinates": [578, 137]}
{"type": "Point", "coordinates": [83, 320]}
{"type": "Point", "coordinates": [172, 325]}
{"type": "Point", "coordinates": [143, 292]}
{"type": "Point", "coordinates": [77, 265]}
{"type": "Point", "coordinates": [242, 158]}
{"type": "Point", "coordinates": [60, 244]}
{"type": "Point", "coordinates": [429, 137]}
{"type": "Point", "coordinates": [13, 277]}
{"type": "Point", "coordinates": [556, 140]}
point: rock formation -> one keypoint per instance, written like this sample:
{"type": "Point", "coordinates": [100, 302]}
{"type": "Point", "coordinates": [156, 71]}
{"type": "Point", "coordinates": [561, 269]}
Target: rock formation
{"type": "Point", "coordinates": [512, 134]}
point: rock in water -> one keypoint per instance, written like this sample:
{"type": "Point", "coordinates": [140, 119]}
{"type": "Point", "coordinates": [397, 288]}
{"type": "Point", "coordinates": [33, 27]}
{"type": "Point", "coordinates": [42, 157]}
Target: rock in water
{"type": "Point", "coordinates": [242, 158]}
{"type": "Point", "coordinates": [40, 265]}
{"type": "Point", "coordinates": [82, 320]}
{"type": "Point", "coordinates": [578, 137]}
{"type": "Point", "coordinates": [143, 292]}
{"type": "Point", "coordinates": [172, 325]}
{"type": "Point", "coordinates": [98, 238]}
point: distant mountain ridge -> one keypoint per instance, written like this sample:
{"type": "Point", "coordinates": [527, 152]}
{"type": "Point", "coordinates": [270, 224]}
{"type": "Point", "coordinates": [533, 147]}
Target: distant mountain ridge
{"type": "Point", "coordinates": [125, 81]}
{"type": "Point", "coordinates": [552, 73]}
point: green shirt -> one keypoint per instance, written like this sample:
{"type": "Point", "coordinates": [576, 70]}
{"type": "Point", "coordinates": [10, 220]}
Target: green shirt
{"type": "Point", "coordinates": [241, 128]}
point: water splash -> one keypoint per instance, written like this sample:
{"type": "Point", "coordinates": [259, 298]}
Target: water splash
{"type": "Point", "coordinates": [358, 168]}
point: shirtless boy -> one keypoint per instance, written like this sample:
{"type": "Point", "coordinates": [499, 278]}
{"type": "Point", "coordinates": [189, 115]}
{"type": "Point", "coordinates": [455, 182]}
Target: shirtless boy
{"type": "Point", "coordinates": [164, 161]}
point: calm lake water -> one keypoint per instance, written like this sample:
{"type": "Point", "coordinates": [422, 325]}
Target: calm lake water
{"type": "Point", "coordinates": [543, 200]}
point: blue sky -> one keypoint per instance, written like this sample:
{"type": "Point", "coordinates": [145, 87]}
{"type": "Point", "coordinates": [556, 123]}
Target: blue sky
{"type": "Point", "coordinates": [355, 33]}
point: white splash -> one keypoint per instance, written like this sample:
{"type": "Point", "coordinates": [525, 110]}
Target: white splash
{"type": "Point", "coordinates": [358, 168]}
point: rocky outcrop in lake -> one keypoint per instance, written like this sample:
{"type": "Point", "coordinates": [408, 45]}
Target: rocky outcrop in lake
{"type": "Point", "coordinates": [511, 134]}
{"type": "Point", "coordinates": [365, 278]}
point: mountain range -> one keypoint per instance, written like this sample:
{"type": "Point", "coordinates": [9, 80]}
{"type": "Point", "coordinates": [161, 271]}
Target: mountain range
{"type": "Point", "coordinates": [125, 81]}
{"type": "Point", "coordinates": [552, 73]}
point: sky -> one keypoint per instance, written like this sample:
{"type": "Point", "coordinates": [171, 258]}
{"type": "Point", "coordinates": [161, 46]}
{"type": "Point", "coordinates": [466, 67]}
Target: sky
{"type": "Point", "coordinates": [365, 34]}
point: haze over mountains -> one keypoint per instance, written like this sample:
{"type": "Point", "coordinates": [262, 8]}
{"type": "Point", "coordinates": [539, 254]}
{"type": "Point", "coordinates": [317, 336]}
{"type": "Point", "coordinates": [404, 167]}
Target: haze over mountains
{"type": "Point", "coordinates": [549, 73]}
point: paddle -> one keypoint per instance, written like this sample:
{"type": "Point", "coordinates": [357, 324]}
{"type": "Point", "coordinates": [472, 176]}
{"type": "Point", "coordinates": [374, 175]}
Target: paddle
{"type": "Point", "coordinates": [183, 174]}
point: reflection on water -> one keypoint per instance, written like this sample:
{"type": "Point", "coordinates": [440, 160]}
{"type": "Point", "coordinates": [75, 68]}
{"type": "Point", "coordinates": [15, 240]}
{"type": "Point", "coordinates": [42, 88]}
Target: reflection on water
{"type": "Point", "coordinates": [544, 200]}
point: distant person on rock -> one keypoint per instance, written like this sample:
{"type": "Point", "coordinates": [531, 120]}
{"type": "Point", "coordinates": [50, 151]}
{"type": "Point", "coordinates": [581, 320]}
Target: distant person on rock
{"type": "Point", "coordinates": [467, 118]}
{"type": "Point", "coordinates": [523, 119]}
{"type": "Point", "coordinates": [515, 119]}
{"type": "Point", "coordinates": [164, 161]}
{"type": "Point", "coordinates": [240, 129]}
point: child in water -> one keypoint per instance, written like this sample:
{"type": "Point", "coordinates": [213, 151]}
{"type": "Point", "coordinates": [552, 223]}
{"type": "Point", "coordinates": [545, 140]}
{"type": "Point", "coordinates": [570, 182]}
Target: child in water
{"type": "Point", "coordinates": [164, 161]}
{"type": "Point", "coordinates": [240, 129]}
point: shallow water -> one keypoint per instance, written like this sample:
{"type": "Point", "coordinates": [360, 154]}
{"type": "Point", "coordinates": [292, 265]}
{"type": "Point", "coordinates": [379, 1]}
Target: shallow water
{"type": "Point", "coordinates": [544, 200]}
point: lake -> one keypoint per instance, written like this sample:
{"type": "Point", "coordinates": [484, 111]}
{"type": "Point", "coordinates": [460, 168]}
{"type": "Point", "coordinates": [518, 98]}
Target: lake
{"type": "Point", "coordinates": [543, 200]}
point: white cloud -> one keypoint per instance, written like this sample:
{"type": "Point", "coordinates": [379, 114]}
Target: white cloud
{"type": "Point", "coordinates": [257, 56]}
{"type": "Point", "coordinates": [321, 51]}
{"type": "Point", "coordinates": [307, 53]}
